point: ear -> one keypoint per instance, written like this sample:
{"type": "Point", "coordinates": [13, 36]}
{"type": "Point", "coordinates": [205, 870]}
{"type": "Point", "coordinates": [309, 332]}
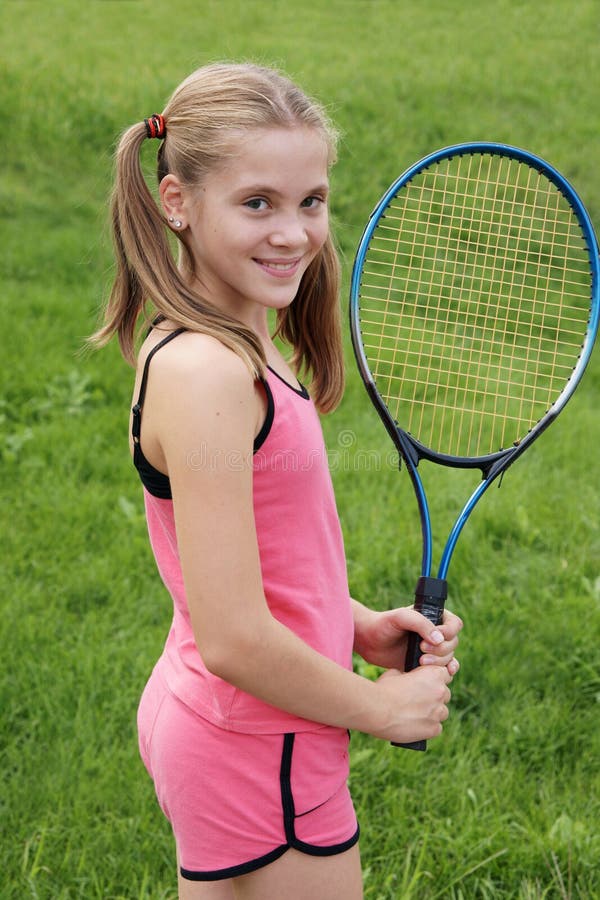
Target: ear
{"type": "Point", "coordinates": [172, 200]}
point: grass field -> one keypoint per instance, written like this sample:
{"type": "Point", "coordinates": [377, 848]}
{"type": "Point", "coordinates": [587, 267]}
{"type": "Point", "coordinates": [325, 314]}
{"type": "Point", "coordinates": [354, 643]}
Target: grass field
{"type": "Point", "coordinates": [506, 804]}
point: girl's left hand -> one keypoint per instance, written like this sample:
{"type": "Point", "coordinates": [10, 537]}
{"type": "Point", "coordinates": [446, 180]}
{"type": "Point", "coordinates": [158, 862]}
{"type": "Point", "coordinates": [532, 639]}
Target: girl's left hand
{"type": "Point", "coordinates": [381, 637]}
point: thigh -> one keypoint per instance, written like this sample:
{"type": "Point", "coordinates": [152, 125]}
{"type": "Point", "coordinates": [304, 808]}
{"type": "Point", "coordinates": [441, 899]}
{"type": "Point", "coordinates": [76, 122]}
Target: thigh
{"type": "Point", "coordinates": [204, 890]}
{"type": "Point", "coordinates": [298, 876]}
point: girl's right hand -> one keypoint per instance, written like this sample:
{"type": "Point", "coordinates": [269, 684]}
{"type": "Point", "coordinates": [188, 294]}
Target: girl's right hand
{"type": "Point", "coordinates": [417, 703]}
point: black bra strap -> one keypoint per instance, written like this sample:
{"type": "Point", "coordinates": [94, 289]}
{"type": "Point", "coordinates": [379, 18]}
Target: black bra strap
{"type": "Point", "coordinates": [156, 321]}
{"type": "Point", "coordinates": [137, 409]}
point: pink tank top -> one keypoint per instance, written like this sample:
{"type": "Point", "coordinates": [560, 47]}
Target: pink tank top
{"type": "Point", "coordinates": [302, 560]}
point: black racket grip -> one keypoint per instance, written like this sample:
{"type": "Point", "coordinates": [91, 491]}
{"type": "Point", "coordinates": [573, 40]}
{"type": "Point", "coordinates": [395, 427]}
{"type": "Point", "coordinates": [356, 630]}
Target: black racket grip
{"type": "Point", "coordinates": [430, 597]}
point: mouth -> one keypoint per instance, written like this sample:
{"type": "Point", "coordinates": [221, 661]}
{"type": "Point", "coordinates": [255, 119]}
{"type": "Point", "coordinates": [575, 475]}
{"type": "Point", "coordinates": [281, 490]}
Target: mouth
{"type": "Point", "coordinates": [280, 268]}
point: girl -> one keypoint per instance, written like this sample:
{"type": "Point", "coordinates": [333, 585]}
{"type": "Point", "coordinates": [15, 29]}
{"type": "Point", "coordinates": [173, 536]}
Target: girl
{"type": "Point", "coordinates": [243, 725]}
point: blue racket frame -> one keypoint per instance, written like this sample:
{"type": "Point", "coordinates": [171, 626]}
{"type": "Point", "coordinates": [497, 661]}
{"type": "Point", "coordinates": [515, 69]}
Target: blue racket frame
{"type": "Point", "coordinates": [431, 591]}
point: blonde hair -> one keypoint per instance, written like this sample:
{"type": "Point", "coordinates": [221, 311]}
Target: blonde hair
{"type": "Point", "coordinates": [203, 120]}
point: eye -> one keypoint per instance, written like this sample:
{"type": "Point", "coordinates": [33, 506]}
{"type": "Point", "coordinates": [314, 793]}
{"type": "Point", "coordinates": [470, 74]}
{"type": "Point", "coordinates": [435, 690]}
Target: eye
{"type": "Point", "coordinates": [311, 202]}
{"type": "Point", "coordinates": [257, 203]}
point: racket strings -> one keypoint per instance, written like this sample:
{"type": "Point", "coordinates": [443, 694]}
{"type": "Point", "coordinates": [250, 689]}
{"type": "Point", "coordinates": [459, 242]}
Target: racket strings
{"type": "Point", "coordinates": [474, 302]}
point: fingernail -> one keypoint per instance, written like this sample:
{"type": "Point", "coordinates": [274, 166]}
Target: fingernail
{"type": "Point", "coordinates": [436, 637]}
{"type": "Point", "coordinates": [453, 666]}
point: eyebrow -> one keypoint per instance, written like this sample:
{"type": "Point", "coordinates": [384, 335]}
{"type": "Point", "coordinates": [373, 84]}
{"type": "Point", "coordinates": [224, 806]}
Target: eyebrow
{"type": "Point", "coordinates": [266, 189]}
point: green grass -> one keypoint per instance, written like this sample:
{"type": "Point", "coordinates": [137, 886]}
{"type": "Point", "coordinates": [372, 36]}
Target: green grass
{"type": "Point", "coordinates": [506, 803]}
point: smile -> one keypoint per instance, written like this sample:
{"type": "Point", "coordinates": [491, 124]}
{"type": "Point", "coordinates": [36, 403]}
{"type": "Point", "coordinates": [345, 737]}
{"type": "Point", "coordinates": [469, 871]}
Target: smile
{"type": "Point", "coordinates": [279, 267]}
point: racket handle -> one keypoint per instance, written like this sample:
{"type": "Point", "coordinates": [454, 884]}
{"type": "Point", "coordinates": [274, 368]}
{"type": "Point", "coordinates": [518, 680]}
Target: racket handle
{"type": "Point", "coordinates": [430, 597]}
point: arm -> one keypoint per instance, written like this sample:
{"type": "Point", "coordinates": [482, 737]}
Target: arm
{"type": "Point", "coordinates": [207, 399]}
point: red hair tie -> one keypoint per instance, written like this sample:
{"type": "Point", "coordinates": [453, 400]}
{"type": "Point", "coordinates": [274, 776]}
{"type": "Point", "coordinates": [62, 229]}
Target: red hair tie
{"type": "Point", "coordinates": [155, 126]}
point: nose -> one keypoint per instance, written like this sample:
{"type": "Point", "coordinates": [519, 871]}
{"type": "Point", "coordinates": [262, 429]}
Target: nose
{"type": "Point", "coordinates": [289, 231]}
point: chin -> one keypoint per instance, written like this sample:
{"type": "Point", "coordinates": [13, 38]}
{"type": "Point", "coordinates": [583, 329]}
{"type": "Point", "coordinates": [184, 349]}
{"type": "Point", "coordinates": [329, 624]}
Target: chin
{"type": "Point", "coordinates": [282, 302]}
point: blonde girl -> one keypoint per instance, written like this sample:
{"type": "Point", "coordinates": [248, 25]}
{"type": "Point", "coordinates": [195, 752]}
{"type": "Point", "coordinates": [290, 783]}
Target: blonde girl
{"type": "Point", "coordinates": [243, 724]}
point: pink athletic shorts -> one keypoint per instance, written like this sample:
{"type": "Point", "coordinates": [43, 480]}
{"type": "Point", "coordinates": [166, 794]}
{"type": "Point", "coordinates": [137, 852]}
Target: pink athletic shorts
{"type": "Point", "coordinates": [237, 801]}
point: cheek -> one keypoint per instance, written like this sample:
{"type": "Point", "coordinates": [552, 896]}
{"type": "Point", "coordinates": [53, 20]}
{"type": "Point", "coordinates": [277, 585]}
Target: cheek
{"type": "Point", "coordinates": [320, 233]}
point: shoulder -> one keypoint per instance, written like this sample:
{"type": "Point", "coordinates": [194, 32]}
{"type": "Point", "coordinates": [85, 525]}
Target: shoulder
{"type": "Point", "coordinates": [201, 394]}
{"type": "Point", "coordinates": [195, 364]}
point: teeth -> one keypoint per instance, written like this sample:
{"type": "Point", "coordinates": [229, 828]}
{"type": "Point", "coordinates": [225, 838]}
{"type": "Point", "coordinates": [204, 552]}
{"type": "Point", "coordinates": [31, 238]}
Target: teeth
{"type": "Point", "coordinates": [279, 265]}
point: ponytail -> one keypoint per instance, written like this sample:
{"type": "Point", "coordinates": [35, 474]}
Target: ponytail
{"type": "Point", "coordinates": [313, 328]}
{"type": "Point", "coordinates": [146, 269]}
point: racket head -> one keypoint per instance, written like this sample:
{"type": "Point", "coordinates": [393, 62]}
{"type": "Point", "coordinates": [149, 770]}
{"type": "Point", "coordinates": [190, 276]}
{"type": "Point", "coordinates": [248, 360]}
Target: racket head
{"type": "Point", "coordinates": [474, 303]}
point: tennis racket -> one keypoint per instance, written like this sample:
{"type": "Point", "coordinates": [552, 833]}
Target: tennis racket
{"type": "Point", "coordinates": [474, 308]}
